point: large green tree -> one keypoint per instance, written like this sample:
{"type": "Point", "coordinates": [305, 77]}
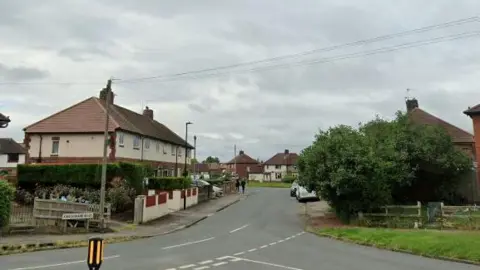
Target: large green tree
{"type": "Point", "coordinates": [211, 159]}
{"type": "Point", "coordinates": [381, 162]}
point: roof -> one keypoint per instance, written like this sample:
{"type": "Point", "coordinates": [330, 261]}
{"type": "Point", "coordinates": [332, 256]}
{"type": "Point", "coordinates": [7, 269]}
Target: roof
{"type": "Point", "coordinates": [282, 159]}
{"type": "Point", "coordinates": [475, 110]}
{"type": "Point", "coordinates": [257, 168]}
{"type": "Point", "coordinates": [9, 146]}
{"type": "Point", "coordinates": [88, 116]}
{"type": "Point", "coordinates": [242, 158]}
{"type": "Point", "coordinates": [201, 167]}
{"type": "Point", "coordinates": [458, 135]}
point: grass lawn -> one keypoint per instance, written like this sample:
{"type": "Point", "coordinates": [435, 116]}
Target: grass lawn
{"type": "Point", "coordinates": [268, 184]}
{"type": "Point", "coordinates": [439, 244]}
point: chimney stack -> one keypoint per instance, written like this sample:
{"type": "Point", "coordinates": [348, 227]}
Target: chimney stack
{"type": "Point", "coordinates": [103, 95]}
{"type": "Point", "coordinates": [411, 104]}
{"type": "Point", "coordinates": [286, 151]}
{"type": "Point", "coordinates": [241, 152]}
{"type": "Point", "coordinates": [148, 112]}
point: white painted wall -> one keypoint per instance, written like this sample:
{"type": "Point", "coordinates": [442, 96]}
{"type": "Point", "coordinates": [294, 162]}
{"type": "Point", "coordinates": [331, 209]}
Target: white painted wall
{"type": "Point", "coordinates": [70, 145]}
{"type": "Point", "coordinates": [5, 164]}
{"type": "Point", "coordinates": [152, 149]}
{"type": "Point", "coordinates": [272, 171]}
{"type": "Point", "coordinates": [255, 176]}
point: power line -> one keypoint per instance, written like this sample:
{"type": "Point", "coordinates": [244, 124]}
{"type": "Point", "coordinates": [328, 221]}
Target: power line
{"type": "Point", "coordinates": [325, 49]}
{"type": "Point", "coordinates": [403, 46]}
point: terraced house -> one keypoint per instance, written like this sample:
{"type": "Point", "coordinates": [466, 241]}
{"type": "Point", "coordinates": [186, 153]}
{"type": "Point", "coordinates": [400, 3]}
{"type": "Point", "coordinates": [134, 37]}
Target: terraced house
{"type": "Point", "coordinates": [75, 135]}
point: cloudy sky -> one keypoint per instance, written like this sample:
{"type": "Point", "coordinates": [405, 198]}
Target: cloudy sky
{"type": "Point", "coordinates": [56, 53]}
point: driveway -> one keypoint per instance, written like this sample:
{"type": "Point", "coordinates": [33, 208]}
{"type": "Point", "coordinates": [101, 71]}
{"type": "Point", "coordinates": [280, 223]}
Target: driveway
{"type": "Point", "coordinates": [265, 231]}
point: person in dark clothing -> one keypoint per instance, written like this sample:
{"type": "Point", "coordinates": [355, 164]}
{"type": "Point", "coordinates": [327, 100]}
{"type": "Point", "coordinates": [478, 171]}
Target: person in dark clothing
{"type": "Point", "coordinates": [243, 185]}
{"type": "Point", "coordinates": [237, 185]}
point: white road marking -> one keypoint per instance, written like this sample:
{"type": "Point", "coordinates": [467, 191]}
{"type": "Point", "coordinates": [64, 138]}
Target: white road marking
{"type": "Point", "coordinates": [239, 253]}
{"type": "Point", "coordinates": [280, 241]}
{"type": "Point", "coordinates": [271, 244]}
{"type": "Point", "coordinates": [171, 269]}
{"type": "Point", "coordinates": [251, 250]}
{"type": "Point", "coordinates": [288, 238]}
{"type": "Point", "coordinates": [187, 266]}
{"type": "Point", "coordinates": [271, 264]}
{"type": "Point", "coordinates": [264, 246]}
{"type": "Point", "coordinates": [59, 264]}
{"type": "Point", "coordinates": [201, 268]}
{"type": "Point", "coordinates": [236, 260]}
{"type": "Point", "coordinates": [205, 262]}
{"type": "Point", "coordinates": [189, 243]}
{"type": "Point", "coordinates": [240, 228]}
{"type": "Point", "coordinates": [223, 258]}
{"type": "Point", "coordinates": [219, 263]}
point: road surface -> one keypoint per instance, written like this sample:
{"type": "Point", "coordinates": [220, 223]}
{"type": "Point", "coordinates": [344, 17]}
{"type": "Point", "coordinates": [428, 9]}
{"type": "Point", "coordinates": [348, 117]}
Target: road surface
{"type": "Point", "coordinates": [263, 231]}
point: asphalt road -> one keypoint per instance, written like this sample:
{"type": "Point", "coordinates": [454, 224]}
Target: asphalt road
{"type": "Point", "coordinates": [262, 232]}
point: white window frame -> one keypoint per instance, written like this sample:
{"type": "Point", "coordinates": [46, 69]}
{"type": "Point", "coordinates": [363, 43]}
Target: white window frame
{"type": "Point", "coordinates": [278, 175]}
{"type": "Point", "coordinates": [147, 143]}
{"type": "Point", "coordinates": [136, 142]}
{"type": "Point", "coordinates": [158, 147]}
{"type": "Point", "coordinates": [57, 143]}
{"type": "Point", "coordinates": [164, 149]}
{"type": "Point", "coordinates": [179, 151]}
{"type": "Point", "coordinates": [121, 139]}
{"type": "Point", "coordinates": [173, 149]}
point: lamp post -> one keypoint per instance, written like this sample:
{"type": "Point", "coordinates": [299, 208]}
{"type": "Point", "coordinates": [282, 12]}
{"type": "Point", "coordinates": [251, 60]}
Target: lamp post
{"type": "Point", "coordinates": [185, 173]}
{"type": "Point", "coordinates": [4, 120]}
{"type": "Point", "coordinates": [195, 155]}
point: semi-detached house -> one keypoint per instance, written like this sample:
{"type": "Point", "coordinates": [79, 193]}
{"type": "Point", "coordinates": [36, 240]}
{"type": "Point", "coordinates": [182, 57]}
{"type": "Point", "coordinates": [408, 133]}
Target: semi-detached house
{"type": "Point", "coordinates": [75, 135]}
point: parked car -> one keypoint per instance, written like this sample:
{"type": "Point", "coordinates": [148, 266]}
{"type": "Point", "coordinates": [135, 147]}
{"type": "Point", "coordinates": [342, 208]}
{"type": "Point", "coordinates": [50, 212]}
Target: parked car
{"type": "Point", "coordinates": [303, 195]}
{"type": "Point", "coordinates": [293, 189]}
{"type": "Point", "coordinates": [217, 192]}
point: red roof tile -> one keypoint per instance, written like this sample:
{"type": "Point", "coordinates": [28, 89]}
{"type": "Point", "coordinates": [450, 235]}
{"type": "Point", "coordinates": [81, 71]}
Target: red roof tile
{"type": "Point", "coordinates": [243, 158]}
{"type": "Point", "coordinates": [282, 159]}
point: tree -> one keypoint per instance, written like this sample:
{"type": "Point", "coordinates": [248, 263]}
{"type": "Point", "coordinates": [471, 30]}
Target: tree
{"type": "Point", "coordinates": [194, 161]}
{"type": "Point", "coordinates": [379, 163]}
{"type": "Point", "coordinates": [211, 159]}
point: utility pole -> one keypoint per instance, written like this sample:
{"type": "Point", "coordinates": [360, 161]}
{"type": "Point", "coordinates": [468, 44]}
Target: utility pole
{"type": "Point", "coordinates": [235, 158]}
{"type": "Point", "coordinates": [194, 154]}
{"type": "Point", "coordinates": [108, 90]}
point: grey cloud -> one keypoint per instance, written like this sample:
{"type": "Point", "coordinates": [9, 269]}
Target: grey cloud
{"type": "Point", "coordinates": [19, 73]}
{"type": "Point", "coordinates": [197, 108]}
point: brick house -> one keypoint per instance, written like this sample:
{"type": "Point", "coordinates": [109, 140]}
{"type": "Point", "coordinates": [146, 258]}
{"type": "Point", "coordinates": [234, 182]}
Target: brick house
{"type": "Point", "coordinates": [255, 172]}
{"type": "Point", "coordinates": [240, 163]}
{"type": "Point", "coordinates": [462, 139]}
{"type": "Point", "coordinates": [474, 114]}
{"type": "Point", "coordinates": [280, 165]}
{"type": "Point", "coordinates": [11, 154]}
{"type": "Point", "coordinates": [75, 135]}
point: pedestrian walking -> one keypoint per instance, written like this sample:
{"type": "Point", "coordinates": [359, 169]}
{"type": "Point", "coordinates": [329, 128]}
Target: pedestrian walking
{"type": "Point", "coordinates": [243, 185]}
{"type": "Point", "coordinates": [237, 185]}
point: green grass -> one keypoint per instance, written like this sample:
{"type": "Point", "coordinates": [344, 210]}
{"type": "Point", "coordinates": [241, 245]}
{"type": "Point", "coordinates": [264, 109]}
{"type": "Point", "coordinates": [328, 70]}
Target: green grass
{"type": "Point", "coordinates": [437, 244]}
{"type": "Point", "coordinates": [268, 184]}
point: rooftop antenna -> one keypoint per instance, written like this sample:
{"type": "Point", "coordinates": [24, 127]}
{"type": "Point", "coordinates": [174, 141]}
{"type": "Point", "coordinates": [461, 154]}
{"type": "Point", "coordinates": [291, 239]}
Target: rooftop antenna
{"type": "Point", "coordinates": [407, 97]}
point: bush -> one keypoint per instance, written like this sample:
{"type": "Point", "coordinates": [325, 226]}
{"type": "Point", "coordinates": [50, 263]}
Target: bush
{"type": "Point", "coordinates": [169, 183]}
{"type": "Point", "coordinates": [289, 179]}
{"type": "Point", "coordinates": [7, 193]}
{"type": "Point", "coordinates": [121, 197]}
{"type": "Point", "coordinates": [80, 175]}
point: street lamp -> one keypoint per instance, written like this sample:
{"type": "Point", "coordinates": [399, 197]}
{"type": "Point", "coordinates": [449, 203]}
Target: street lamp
{"type": "Point", "coordinates": [4, 120]}
{"type": "Point", "coordinates": [186, 148]}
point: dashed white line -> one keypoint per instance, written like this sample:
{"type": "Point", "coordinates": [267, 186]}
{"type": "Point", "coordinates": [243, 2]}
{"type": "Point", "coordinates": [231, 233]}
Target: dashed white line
{"type": "Point", "coordinates": [239, 253]}
{"type": "Point", "coordinates": [271, 244]}
{"type": "Point", "coordinates": [251, 250]}
{"type": "Point", "coordinates": [189, 243]}
{"type": "Point", "coordinates": [272, 264]}
{"type": "Point", "coordinates": [59, 264]}
{"type": "Point", "coordinates": [187, 266]}
{"type": "Point", "coordinates": [264, 246]}
{"type": "Point", "coordinates": [202, 268]}
{"type": "Point", "coordinates": [219, 263]}
{"type": "Point", "coordinates": [236, 259]}
{"type": "Point", "coordinates": [280, 241]}
{"type": "Point", "coordinates": [223, 258]}
{"type": "Point", "coordinates": [205, 262]}
{"type": "Point", "coordinates": [240, 228]}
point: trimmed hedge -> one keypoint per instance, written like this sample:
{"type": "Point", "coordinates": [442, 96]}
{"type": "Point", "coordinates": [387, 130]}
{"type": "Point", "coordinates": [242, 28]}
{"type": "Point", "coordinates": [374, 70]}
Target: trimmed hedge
{"type": "Point", "coordinates": [169, 183]}
{"type": "Point", "coordinates": [80, 175]}
{"type": "Point", "coordinates": [7, 193]}
{"type": "Point", "coordinates": [289, 179]}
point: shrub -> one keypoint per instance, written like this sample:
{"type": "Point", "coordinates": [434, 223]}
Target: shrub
{"type": "Point", "coordinates": [169, 183]}
{"type": "Point", "coordinates": [289, 179]}
{"type": "Point", "coordinates": [7, 193]}
{"type": "Point", "coordinates": [23, 197]}
{"type": "Point", "coordinates": [121, 198]}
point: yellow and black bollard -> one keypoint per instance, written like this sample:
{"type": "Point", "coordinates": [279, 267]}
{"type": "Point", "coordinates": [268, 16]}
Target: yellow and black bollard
{"type": "Point", "coordinates": [95, 253]}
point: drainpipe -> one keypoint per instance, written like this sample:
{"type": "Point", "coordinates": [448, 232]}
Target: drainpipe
{"type": "Point", "coordinates": [39, 160]}
{"type": "Point", "coordinates": [141, 151]}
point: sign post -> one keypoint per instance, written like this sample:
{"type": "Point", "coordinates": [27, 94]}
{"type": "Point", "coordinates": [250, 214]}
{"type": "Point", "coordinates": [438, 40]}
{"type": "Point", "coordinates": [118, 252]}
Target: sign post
{"type": "Point", "coordinates": [95, 253]}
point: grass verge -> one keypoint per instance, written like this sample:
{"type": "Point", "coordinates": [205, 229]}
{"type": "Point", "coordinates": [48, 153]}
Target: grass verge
{"type": "Point", "coordinates": [457, 246]}
{"type": "Point", "coordinates": [269, 184]}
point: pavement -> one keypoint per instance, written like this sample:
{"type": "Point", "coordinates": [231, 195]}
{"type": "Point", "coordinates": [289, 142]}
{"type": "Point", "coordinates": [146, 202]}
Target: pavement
{"type": "Point", "coordinates": [263, 231]}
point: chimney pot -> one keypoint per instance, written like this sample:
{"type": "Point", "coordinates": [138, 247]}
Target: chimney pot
{"type": "Point", "coordinates": [286, 151]}
{"type": "Point", "coordinates": [241, 152]}
{"type": "Point", "coordinates": [411, 104]}
{"type": "Point", "coordinates": [103, 96]}
{"type": "Point", "coordinates": [148, 112]}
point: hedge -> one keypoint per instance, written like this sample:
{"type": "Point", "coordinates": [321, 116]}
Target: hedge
{"type": "Point", "coordinates": [289, 179]}
{"type": "Point", "coordinates": [169, 183]}
{"type": "Point", "coordinates": [7, 193]}
{"type": "Point", "coordinates": [80, 175]}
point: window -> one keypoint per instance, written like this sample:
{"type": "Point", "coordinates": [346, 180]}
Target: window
{"type": "Point", "coordinates": [278, 166]}
{"type": "Point", "coordinates": [136, 142]}
{"type": "Point", "coordinates": [278, 176]}
{"type": "Point", "coordinates": [173, 150]}
{"type": "Point", "coordinates": [158, 147]}
{"type": "Point", "coordinates": [55, 145]}
{"type": "Point", "coordinates": [120, 139]}
{"type": "Point", "coordinates": [179, 151]}
{"type": "Point", "coordinates": [13, 158]}
{"type": "Point", "coordinates": [164, 149]}
{"type": "Point", "coordinates": [147, 143]}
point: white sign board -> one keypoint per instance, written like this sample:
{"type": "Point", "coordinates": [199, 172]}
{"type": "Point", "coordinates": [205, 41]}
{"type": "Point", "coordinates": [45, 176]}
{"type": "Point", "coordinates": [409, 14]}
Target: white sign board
{"type": "Point", "coordinates": [88, 215]}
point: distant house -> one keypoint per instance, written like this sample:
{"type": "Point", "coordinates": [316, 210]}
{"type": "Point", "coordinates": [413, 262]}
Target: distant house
{"type": "Point", "coordinates": [280, 165]}
{"type": "Point", "coordinates": [474, 113]}
{"type": "Point", "coordinates": [240, 163]}
{"type": "Point", "coordinates": [206, 170]}
{"type": "Point", "coordinates": [4, 120]}
{"type": "Point", "coordinates": [462, 139]}
{"type": "Point", "coordinates": [75, 135]}
{"type": "Point", "coordinates": [255, 172]}
{"type": "Point", "coordinates": [11, 154]}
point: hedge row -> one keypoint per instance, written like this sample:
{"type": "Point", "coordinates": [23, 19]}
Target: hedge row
{"type": "Point", "coordinates": [169, 183]}
{"type": "Point", "coordinates": [7, 193]}
{"type": "Point", "coordinates": [81, 175]}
